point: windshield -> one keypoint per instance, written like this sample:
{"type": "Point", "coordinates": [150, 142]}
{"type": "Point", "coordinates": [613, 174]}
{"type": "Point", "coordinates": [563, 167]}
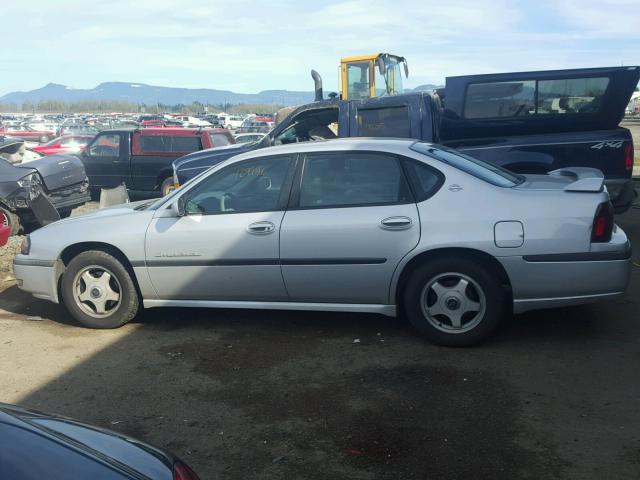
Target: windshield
{"type": "Point", "coordinates": [485, 171]}
{"type": "Point", "coordinates": [391, 82]}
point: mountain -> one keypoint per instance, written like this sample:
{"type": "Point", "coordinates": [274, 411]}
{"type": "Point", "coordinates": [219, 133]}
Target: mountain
{"type": "Point", "coordinates": [423, 88]}
{"type": "Point", "coordinates": [140, 93]}
{"type": "Point", "coordinates": [149, 94]}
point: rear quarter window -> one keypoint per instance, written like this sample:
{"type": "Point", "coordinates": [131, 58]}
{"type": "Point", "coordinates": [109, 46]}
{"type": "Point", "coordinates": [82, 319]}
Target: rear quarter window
{"type": "Point", "coordinates": [151, 144]}
{"type": "Point", "coordinates": [219, 139]}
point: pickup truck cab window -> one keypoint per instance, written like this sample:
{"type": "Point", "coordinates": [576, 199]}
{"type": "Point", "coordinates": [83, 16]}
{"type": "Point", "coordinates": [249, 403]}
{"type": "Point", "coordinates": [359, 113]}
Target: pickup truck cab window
{"type": "Point", "coordinates": [251, 186]}
{"type": "Point", "coordinates": [343, 179]}
{"type": "Point", "coordinates": [106, 145]}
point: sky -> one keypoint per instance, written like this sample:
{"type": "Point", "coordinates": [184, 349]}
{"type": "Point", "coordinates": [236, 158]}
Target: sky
{"type": "Point", "coordinates": [249, 46]}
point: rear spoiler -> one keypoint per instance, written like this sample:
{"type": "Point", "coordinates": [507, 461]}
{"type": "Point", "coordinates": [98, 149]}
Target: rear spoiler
{"type": "Point", "coordinates": [584, 179]}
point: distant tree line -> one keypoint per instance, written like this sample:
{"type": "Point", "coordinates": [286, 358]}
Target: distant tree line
{"type": "Point", "coordinates": [107, 106]}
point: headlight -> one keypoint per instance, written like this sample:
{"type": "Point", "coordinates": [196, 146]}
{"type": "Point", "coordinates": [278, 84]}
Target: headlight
{"type": "Point", "coordinates": [25, 182]}
{"type": "Point", "coordinates": [25, 247]}
{"type": "Point", "coordinates": [31, 180]}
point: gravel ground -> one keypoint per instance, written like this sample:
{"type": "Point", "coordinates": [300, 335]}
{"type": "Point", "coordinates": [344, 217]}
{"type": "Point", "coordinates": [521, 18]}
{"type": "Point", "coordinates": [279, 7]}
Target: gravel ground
{"type": "Point", "coordinates": [303, 395]}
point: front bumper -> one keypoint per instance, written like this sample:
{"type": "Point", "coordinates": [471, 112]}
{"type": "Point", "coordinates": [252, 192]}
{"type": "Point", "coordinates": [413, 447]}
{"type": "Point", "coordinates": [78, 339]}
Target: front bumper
{"type": "Point", "coordinates": [72, 196]}
{"type": "Point", "coordinates": [622, 193]}
{"type": "Point", "coordinates": [38, 277]}
{"type": "Point", "coordinates": [549, 281]}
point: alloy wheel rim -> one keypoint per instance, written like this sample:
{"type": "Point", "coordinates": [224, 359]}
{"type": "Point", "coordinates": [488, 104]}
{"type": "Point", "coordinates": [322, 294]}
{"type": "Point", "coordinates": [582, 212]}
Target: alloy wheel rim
{"type": "Point", "coordinates": [97, 291]}
{"type": "Point", "coordinates": [4, 218]}
{"type": "Point", "coordinates": [453, 302]}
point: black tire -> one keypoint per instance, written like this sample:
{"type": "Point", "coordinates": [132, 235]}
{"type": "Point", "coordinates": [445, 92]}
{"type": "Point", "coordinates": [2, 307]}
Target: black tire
{"type": "Point", "coordinates": [480, 325]}
{"type": "Point", "coordinates": [65, 212]}
{"type": "Point", "coordinates": [123, 312]}
{"type": "Point", "coordinates": [11, 220]}
{"type": "Point", "coordinates": [166, 187]}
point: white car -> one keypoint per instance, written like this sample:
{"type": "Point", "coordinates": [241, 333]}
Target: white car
{"type": "Point", "coordinates": [354, 225]}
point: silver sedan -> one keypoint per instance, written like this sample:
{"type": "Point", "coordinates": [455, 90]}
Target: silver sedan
{"type": "Point", "coordinates": [357, 225]}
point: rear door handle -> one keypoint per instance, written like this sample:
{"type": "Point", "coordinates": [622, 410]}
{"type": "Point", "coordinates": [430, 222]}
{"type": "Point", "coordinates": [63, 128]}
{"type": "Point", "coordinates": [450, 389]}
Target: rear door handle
{"type": "Point", "coordinates": [261, 228]}
{"type": "Point", "coordinates": [396, 223]}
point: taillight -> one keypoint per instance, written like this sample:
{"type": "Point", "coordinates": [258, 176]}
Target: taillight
{"type": "Point", "coordinates": [628, 156]}
{"type": "Point", "coordinates": [183, 472]}
{"type": "Point", "coordinates": [602, 224]}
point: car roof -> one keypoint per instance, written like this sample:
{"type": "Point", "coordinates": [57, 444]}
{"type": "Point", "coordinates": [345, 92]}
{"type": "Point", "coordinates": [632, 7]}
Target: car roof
{"type": "Point", "coordinates": [338, 144]}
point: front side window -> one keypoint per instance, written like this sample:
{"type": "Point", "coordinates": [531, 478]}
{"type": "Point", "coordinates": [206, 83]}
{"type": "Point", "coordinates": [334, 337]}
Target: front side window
{"type": "Point", "coordinates": [249, 186]}
{"type": "Point", "coordinates": [107, 145]}
{"type": "Point", "coordinates": [352, 179]}
{"type": "Point", "coordinates": [358, 80]}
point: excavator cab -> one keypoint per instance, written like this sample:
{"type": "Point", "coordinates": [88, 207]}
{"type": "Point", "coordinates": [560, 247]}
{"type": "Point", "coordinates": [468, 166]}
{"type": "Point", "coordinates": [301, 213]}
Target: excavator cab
{"type": "Point", "coordinates": [375, 75]}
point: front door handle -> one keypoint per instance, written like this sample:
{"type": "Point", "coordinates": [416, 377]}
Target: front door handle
{"type": "Point", "coordinates": [261, 228]}
{"type": "Point", "coordinates": [396, 223]}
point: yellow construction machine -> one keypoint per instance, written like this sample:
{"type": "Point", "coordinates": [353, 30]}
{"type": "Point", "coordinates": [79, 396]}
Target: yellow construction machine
{"type": "Point", "coordinates": [375, 75]}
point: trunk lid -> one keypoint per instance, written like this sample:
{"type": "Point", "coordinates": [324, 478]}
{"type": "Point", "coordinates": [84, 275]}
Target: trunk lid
{"type": "Point", "coordinates": [58, 171]}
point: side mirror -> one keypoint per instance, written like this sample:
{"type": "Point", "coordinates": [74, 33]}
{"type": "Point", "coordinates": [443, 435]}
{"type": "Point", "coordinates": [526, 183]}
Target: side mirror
{"type": "Point", "coordinates": [179, 207]}
{"type": "Point", "coordinates": [382, 69]}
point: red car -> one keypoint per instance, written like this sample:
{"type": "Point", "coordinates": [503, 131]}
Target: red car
{"type": "Point", "coordinates": [65, 144]}
{"type": "Point", "coordinates": [5, 230]}
{"type": "Point", "coordinates": [28, 134]}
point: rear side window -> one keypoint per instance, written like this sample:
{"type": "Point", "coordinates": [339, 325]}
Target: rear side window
{"type": "Point", "coordinates": [478, 168]}
{"type": "Point", "coordinates": [500, 99]}
{"type": "Point", "coordinates": [573, 95]}
{"type": "Point", "coordinates": [352, 179]}
{"type": "Point", "coordinates": [520, 98]}
{"type": "Point", "coordinates": [219, 139]}
{"type": "Point", "coordinates": [186, 144]}
{"type": "Point", "coordinates": [425, 180]}
{"type": "Point", "coordinates": [384, 122]}
{"type": "Point", "coordinates": [169, 144]}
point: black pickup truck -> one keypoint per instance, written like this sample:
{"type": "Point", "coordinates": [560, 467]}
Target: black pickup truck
{"type": "Point", "coordinates": [141, 158]}
{"type": "Point", "coordinates": [528, 122]}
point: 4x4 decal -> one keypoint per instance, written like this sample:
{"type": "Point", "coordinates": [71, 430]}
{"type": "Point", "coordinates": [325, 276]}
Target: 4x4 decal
{"type": "Point", "coordinates": [614, 144]}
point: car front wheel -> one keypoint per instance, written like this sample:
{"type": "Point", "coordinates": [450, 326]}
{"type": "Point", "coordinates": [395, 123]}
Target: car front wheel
{"type": "Point", "coordinates": [98, 290]}
{"type": "Point", "coordinates": [454, 302]}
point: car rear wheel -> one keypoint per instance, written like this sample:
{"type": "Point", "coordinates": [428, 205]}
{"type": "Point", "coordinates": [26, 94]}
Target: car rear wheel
{"type": "Point", "coordinates": [11, 220]}
{"type": "Point", "coordinates": [166, 187]}
{"type": "Point", "coordinates": [454, 302]}
{"type": "Point", "coordinates": [98, 290]}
